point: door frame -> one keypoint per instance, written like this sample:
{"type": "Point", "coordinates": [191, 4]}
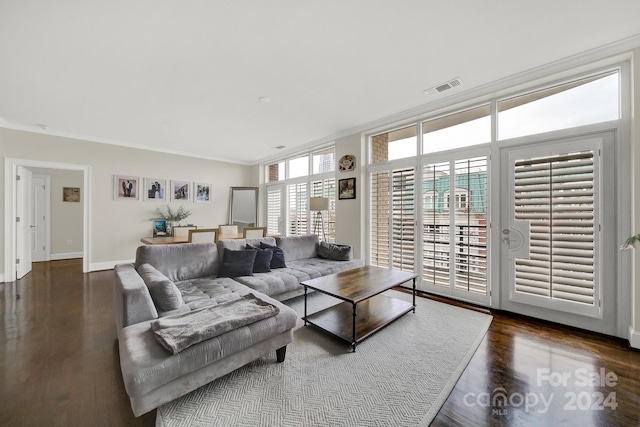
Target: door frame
{"type": "Point", "coordinates": [10, 229]}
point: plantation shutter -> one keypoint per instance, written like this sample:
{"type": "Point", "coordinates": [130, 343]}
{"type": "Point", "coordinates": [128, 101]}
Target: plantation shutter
{"type": "Point", "coordinates": [297, 206]}
{"type": "Point", "coordinates": [327, 188]}
{"type": "Point", "coordinates": [380, 219]}
{"type": "Point", "coordinates": [556, 195]}
{"type": "Point", "coordinates": [455, 225]}
{"type": "Point", "coordinates": [471, 225]}
{"type": "Point", "coordinates": [403, 219]}
{"type": "Point", "coordinates": [274, 210]}
{"type": "Point", "coordinates": [435, 222]}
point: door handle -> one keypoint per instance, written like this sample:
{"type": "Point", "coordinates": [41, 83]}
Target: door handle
{"type": "Point", "coordinates": [32, 226]}
{"type": "Point", "coordinates": [517, 237]}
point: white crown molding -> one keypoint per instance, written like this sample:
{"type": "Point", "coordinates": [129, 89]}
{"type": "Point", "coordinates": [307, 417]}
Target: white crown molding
{"type": "Point", "coordinates": [612, 50]}
{"type": "Point", "coordinates": [71, 135]}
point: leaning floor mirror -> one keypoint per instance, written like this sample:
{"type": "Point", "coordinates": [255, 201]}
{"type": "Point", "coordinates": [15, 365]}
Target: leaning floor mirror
{"type": "Point", "coordinates": [243, 207]}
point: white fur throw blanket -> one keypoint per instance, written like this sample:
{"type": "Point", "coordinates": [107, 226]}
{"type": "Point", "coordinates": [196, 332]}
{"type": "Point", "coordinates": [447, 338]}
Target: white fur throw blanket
{"type": "Point", "coordinates": [175, 333]}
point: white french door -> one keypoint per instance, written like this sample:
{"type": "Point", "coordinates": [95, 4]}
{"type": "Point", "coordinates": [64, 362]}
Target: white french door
{"type": "Point", "coordinates": [455, 226]}
{"type": "Point", "coordinates": [552, 227]}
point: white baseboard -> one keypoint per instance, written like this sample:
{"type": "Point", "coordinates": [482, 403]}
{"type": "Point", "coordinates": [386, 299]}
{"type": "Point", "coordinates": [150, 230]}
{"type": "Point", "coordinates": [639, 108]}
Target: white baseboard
{"type": "Point", "coordinates": [108, 265]}
{"type": "Point", "coordinates": [634, 338]}
{"type": "Point", "coordinates": [68, 255]}
{"type": "Point", "coordinates": [1, 277]}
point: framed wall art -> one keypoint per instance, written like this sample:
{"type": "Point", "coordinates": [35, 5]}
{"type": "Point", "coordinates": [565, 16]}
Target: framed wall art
{"type": "Point", "coordinates": [155, 189]}
{"type": "Point", "coordinates": [347, 188]}
{"type": "Point", "coordinates": [126, 187]}
{"type": "Point", "coordinates": [201, 192]}
{"type": "Point", "coordinates": [180, 191]}
{"type": "Point", "coordinates": [71, 194]}
{"type": "Point", "coordinates": [347, 163]}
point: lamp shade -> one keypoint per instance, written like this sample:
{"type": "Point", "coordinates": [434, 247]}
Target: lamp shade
{"type": "Point", "coordinates": [318, 204]}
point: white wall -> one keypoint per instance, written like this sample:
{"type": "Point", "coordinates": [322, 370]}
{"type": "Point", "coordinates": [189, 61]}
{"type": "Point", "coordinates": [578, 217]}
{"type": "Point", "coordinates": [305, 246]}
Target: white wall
{"type": "Point", "coordinates": [118, 226]}
{"type": "Point", "coordinates": [351, 213]}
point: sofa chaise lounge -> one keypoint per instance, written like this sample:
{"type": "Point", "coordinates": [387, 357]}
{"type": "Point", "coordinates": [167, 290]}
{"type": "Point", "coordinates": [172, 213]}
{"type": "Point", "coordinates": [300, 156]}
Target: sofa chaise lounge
{"type": "Point", "coordinates": [152, 375]}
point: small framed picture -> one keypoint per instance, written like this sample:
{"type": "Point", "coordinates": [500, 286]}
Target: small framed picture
{"type": "Point", "coordinates": [155, 189]}
{"type": "Point", "coordinates": [201, 192]}
{"type": "Point", "coordinates": [125, 187]}
{"type": "Point", "coordinates": [159, 227]}
{"type": "Point", "coordinates": [71, 194]}
{"type": "Point", "coordinates": [347, 188]}
{"type": "Point", "coordinates": [180, 191]}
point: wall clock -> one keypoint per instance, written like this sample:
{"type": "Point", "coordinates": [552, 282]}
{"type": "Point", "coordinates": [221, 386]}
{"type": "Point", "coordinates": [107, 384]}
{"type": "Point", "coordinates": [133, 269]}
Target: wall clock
{"type": "Point", "coordinates": [347, 163]}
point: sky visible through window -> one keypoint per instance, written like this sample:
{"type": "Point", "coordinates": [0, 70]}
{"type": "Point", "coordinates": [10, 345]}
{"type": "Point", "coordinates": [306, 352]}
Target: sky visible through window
{"type": "Point", "coordinates": [593, 102]}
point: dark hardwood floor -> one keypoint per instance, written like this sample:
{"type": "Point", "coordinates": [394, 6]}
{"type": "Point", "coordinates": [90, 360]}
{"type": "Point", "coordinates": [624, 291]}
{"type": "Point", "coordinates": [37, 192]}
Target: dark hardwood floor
{"type": "Point", "coordinates": [59, 364]}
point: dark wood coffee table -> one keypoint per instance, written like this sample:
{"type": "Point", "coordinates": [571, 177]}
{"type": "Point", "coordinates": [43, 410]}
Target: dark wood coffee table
{"type": "Point", "coordinates": [363, 310]}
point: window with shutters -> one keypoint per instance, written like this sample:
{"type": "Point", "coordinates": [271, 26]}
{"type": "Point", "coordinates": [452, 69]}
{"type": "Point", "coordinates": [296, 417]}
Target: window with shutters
{"type": "Point", "coordinates": [327, 188]}
{"type": "Point", "coordinates": [297, 199]}
{"type": "Point", "coordinates": [403, 219]}
{"type": "Point", "coordinates": [556, 196]}
{"type": "Point", "coordinates": [393, 219]}
{"type": "Point", "coordinates": [454, 232]}
{"type": "Point", "coordinates": [289, 185]}
{"type": "Point", "coordinates": [379, 219]}
{"type": "Point", "coordinates": [274, 209]}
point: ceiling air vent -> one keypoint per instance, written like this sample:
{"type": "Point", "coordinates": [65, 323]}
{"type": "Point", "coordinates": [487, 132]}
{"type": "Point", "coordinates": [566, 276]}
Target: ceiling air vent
{"type": "Point", "coordinates": [443, 87]}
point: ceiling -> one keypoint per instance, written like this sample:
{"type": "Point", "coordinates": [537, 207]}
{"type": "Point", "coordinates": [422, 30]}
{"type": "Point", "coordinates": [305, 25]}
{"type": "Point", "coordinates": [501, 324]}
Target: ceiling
{"type": "Point", "coordinates": [188, 77]}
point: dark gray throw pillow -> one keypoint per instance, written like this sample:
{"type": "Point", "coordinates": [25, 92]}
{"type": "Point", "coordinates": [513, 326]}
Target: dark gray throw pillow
{"type": "Point", "coordinates": [164, 293]}
{"type": "Point", "coordinates": [262, 263]}
{"type": "Point", "coordinates": [237, 263]}
{"type": "Point", "coordinates": [277, 261]}
{"type": "Point", "coordinates": [334, 251]}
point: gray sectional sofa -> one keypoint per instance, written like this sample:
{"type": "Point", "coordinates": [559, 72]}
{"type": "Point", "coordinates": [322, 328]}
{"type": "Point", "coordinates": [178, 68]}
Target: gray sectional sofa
{"type": "Point", "coordinates": [175, 279]}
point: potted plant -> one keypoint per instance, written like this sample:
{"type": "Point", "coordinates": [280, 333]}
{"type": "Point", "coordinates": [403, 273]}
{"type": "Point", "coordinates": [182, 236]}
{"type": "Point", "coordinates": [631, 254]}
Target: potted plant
{"type": "Point", "coordinates": [630, 243]}
{"type": "Point", "coordinates": [172, 216]}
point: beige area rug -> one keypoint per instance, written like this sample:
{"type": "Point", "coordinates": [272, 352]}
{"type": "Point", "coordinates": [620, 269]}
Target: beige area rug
{"type": "Point", "coordinates": [400, 376]}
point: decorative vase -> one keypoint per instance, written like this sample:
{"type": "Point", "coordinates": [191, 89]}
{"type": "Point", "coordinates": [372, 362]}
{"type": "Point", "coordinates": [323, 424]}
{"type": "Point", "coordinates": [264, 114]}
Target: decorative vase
{"type": "Point", "coordinates": [170, 225]}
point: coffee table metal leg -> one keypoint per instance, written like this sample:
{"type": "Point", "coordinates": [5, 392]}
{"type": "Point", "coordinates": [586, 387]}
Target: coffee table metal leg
{"type": "Point", "coordinates": [353, 343]}
{"type": "Point", "coordinates": [414, 294]}
{"type": "Point", "coordinates": [305, 306]}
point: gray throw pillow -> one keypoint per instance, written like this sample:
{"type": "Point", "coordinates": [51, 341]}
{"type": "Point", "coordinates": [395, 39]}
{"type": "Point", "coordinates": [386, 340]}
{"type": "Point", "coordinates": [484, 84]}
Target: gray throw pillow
{"type": "Point", "coordinates": [237, 263]}
{"type": "Point", "coordinates": [334, 251]}
{"type": "Point", "coordinates": [262, 263]}
{"type": "Point", "coordinates": [165, 294]}
{"type": "Point", "coordinates": [277, 259]}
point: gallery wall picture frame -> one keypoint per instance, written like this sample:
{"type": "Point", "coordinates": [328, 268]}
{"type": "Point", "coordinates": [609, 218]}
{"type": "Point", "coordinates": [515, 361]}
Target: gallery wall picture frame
{"type": "Point", "coordinates": [126, 187]}
{"type": "Point", "coordinates": [346, 189]}
{"type": "Point", "coordinates": [201, 192]}
{"type": "Point", "coordinates": [155, 189]}
{"type": "Point", "coordinates": [180, 191]}
{"type": "Point", "coordinates": [71, 194]}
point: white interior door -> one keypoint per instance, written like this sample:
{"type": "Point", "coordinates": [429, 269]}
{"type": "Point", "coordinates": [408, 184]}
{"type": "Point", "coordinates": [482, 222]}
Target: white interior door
{"type": "Point", "coordinates": [39, 210]}
{"type": "Point", "coordinates": [25, 229]}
